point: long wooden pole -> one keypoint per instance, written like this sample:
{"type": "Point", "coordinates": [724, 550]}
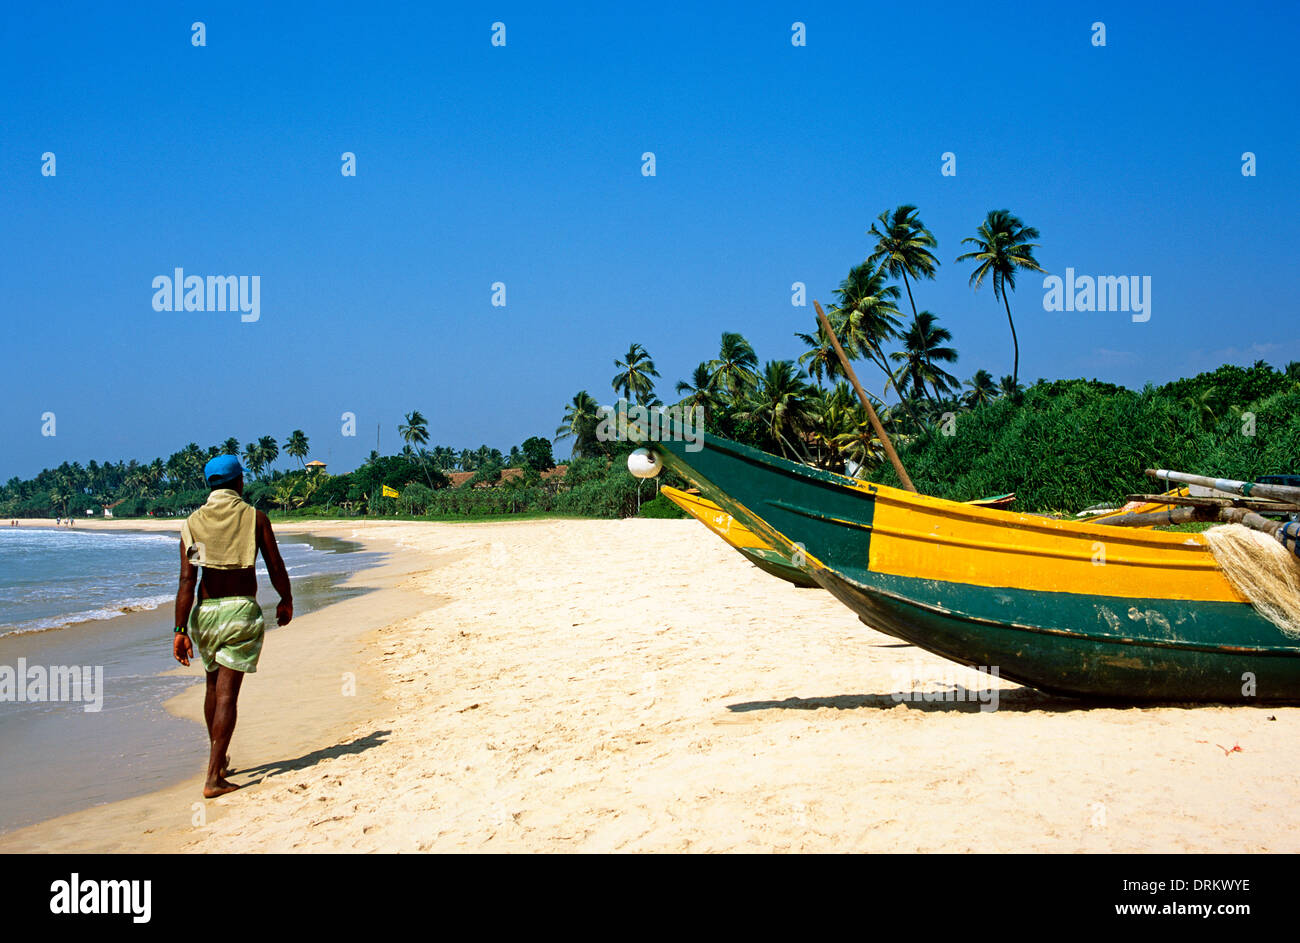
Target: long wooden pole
{"type": "Point", "coordinates": [866, 403]}
{"type": "Point", "coordinates": [1253, 504]}
{"type": "Point", "coordinates": [1187, 515]}
{"type": "Point", "coordinates": [1167, 517]}
{"type": "Point", "coordinates": [1248, 489]}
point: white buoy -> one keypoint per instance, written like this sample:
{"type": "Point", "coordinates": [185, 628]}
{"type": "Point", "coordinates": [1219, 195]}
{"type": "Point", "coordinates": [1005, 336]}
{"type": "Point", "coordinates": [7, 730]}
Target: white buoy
{"type": "Point", "coordinates": [644, 464]}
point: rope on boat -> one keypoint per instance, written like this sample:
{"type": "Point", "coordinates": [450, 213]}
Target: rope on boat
{"type": "Point", "coordinates": [1263, 570]}
{"type": "Point", "coordinates": [1289, 535]}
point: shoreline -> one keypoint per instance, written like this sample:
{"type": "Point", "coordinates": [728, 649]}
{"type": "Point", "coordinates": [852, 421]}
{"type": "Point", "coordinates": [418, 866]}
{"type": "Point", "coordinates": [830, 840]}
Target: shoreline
{"type": "Point", "coordinates": [636, 685]}
{"type": "Point", "coordinates": [313, 712]}
{"type": "Point", "coordinates": [132, 741]}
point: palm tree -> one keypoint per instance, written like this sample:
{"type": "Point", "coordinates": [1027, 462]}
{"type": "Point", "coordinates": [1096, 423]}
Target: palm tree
{"type": "Point", "coordinates": [871, 319]}
{"type": "Point", "coordinates": [307, 487]}
{"type": "Point", "coordinates": [734, 369]}
{"type": "Point", "coordinates": [176, 468]}
{"type": "Point", "coordinates": [253, 459]}
{"type": "Point", "coordinates": [781, 405]}
{"type": "Point", "coordinates": [903, 247]}
{"type": "Point", "coordinates": [870, 311]}
{"type": "Point", "coordinates": [270, 450]}
{"type": "Point", "coordinates": [837, 414]}
{"type": "Point", "coordinates": [700, 392]}
{"type": "Point", "coordinates": [858, 443]}
{"type": "Point", "coordinates": [1001, 246]}
{"type": "Point", "coordinates": [296, 446]}
{"type": "Point", "coordinates": [921, 355]}
{"type": "Point", "coordinates": [982, 389]}
{"type": "Point", "coordinates": [1010, 388]}
{"type": "Point", "coordinates": [134, 479]}
{"type": "Point", "coordinates": [634, 379]}
{"type": "Point", "coordinates": [1203, 405]}
{"type": "Point", "coordinates": [284, 493]}
{"type": "Point", "coordinates": [828, 408]}
{"type": "Point", "coordinates": [443, 457]}
{"type": "Point", "coordinates": [580, 424]}
{"type": "Point", "coordinates": [415, 431]}
{"type": "Point", "coordinates": [193, 461]}
{"type": "Point", "coordinates": [952, 403]}
{"type": "Point", "coordinates": [230, 446]}
{"type": "Point", "coordinates": [820, 360]}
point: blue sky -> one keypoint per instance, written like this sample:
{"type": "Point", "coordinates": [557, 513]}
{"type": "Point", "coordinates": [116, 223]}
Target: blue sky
{"type": "Point", "coordinates": [522, 165]}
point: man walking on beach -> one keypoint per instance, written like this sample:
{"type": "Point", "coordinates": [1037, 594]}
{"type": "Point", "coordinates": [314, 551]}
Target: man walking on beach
{"type": "Point", "coordinates": [224, 537]}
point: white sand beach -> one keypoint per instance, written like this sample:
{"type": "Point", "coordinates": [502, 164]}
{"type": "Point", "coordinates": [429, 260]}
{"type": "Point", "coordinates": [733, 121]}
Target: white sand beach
{"type": "Point", "coordinates": [636, 685]}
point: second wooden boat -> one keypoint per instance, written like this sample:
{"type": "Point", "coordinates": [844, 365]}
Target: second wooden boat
{"type": "Point", "coordinates": [739, 537]}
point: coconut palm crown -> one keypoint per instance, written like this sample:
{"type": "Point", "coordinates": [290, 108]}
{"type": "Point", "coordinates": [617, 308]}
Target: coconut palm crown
{"type": "Point", "coordinates": [1002, 245]}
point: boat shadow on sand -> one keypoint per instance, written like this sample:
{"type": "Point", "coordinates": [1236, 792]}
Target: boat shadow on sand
{"type": "Point", "coordinates": [954, 701]}
{"type": "Point", "coordinates": [279, 767]}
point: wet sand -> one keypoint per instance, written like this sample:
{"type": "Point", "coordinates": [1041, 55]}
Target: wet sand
{"type": "Point", "coordinates": [127, 737]}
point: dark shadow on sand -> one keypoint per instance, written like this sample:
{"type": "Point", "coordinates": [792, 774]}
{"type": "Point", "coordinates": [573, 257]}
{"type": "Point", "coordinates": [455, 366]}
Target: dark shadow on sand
{"type": "Point", "coordinates": [952, 700]}
{"type": "Point", "coordinates": [308, 760]}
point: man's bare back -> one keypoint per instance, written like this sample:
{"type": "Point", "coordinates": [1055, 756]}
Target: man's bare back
{"type": "Point", "coordinates": [224, 682]}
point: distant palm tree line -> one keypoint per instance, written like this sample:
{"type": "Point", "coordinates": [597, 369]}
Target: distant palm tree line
{"type": "Point", "coordinates": [786, 406]}
{"type": "Point", "coordinates": [105, 483]}
{"type": "Point", "coordinates": [179, 478]}
{"type": "Point", "coordinates": [414, 431]}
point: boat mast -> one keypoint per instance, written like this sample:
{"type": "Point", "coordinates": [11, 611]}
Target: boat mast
{"type": "Point", "coordinates": [866, 403]}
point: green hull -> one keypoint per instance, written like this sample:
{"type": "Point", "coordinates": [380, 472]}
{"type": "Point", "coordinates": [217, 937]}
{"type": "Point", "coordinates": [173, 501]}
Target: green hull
{"type": "Point", "coordinates": [1043, 654]}
{"type": "Point", "coordinates": [771, 562]}
{"type": "Point", "coordinates": [1062, 642]}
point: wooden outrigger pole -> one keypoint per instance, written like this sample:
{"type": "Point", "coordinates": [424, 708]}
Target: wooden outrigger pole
{"type": "Point", "coordinates": [866, 403]}
{"type": "Point", "coordinates": [1248, 489]}
{"type": "Point", "coordinates": [1248, 508]}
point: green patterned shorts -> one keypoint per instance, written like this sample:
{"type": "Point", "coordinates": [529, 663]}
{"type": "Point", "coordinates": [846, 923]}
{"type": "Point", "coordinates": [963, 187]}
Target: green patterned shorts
{"type": "Point", "coordinates": [228, 631]}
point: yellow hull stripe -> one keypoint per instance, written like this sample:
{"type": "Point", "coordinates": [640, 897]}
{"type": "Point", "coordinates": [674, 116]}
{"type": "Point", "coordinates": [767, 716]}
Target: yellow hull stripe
{"type": "Point", "coordinates": [917, 536]}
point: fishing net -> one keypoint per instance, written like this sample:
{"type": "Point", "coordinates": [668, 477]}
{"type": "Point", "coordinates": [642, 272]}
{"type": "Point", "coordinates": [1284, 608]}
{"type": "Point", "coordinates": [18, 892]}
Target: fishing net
{"type": "Point", "coordinates": [1263, 571]}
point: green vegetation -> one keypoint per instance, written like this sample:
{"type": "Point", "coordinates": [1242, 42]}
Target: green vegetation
{"type": "Point", "coordinates": [595, 486]}
{"type": "Point", "coordinates": [1060, 445]}
{"type": "Point", "coordinates": [805, 410]}
{"type": "Point", "coordinates": [1073, 443]}
{"type": "Point", "coordinates": [661, 507]}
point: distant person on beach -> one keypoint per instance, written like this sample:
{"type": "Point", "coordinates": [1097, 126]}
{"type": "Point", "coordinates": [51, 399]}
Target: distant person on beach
{"type": "Point", "coordinates": [223, 538]}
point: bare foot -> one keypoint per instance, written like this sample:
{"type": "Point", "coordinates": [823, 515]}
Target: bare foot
{"type": "Point", "coordinates": [225, 768]}
{"type": "Point", "coordinates": [219, 788]}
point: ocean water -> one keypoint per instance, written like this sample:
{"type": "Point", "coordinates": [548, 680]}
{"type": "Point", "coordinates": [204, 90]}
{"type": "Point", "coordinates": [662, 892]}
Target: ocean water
{"type": "Point", "coordinates": [53, 578]}
{"type": "Point", "coordinates": [102, 602]}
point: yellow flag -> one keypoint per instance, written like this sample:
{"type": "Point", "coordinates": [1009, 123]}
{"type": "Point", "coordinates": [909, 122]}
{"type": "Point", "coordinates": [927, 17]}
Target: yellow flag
{"type": "Point", "coordinates": [390, 492]}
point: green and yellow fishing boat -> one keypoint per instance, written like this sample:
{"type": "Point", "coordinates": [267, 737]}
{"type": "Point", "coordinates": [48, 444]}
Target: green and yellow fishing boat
{"type": "Point", "coordinates": [767, 558]}
{"type": "Point", "coordinates": [1069, 607]}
